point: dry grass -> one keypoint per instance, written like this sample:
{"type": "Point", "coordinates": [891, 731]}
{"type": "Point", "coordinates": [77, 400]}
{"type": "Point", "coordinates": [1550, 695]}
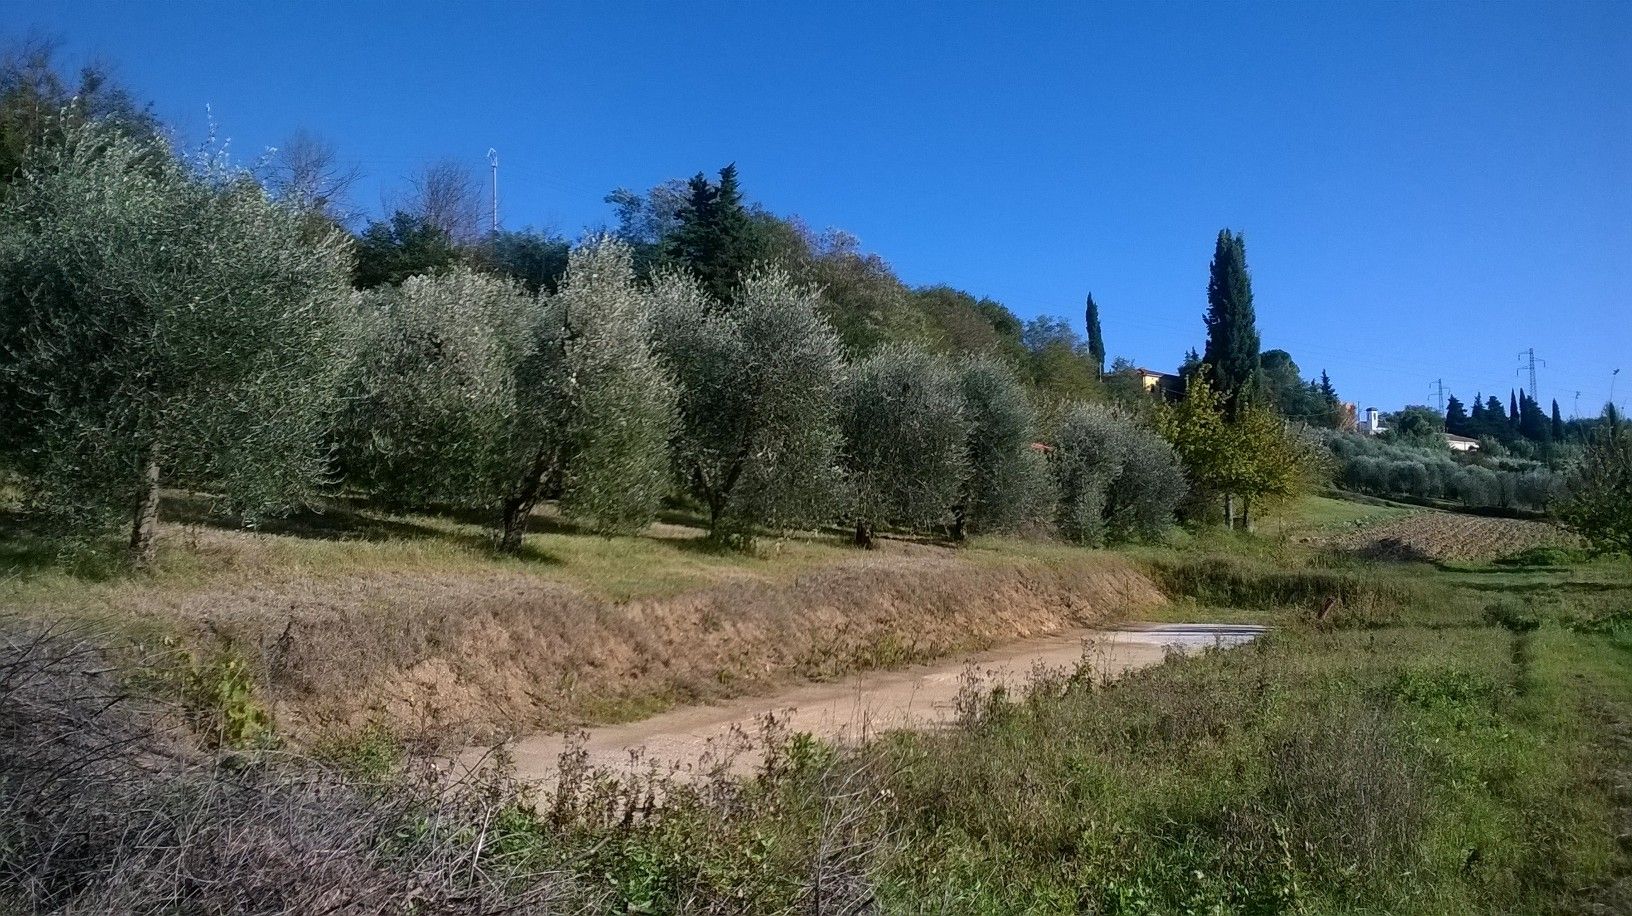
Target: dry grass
{"type": "Point", "coordinates": [411, 621]}
{"type": "Point", "coordinates": [103, 809]}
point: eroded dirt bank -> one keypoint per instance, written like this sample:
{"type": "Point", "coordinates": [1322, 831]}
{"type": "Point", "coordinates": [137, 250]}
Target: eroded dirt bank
{"type": "Point", "coordinates": [484, 656]}
{"type": "Point", "coordinates": [700, 738]}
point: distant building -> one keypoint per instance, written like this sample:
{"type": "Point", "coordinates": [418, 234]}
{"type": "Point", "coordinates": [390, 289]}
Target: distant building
{"type": "Point", "coordinates": [1373, 424]}
{"type": "Point", "coordinates": [1461, 443]}
{"type": "Point", "coordinates": [1166, 384]}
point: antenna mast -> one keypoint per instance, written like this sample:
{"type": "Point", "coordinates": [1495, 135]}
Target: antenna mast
{"type": "Point", "coordinates": [493, 161]}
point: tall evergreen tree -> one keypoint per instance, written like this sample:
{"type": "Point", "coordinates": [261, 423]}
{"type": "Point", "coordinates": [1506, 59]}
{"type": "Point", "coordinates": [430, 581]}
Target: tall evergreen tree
{"type": "Point", "coordinates": [1513, 412]}
{"type": "Point", "coordinates": [1096, 337]}
{"type": "Point", "coordinates": [1232, 330]}
{"type": "Point", "coordinates": [716, 239]}
{"type": "Point", "coordinates": [1558, 423]}
{"type": "Point", "coordinates": [1476, 419]}
{"type": "Point", "coordinates": [1456, 417]}
{"type": "Point", "coordinates": [1532, 422]}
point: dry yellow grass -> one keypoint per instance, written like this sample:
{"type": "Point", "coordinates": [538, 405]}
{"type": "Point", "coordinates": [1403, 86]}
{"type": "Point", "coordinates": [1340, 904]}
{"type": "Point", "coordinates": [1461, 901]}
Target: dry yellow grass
{"type": "Point", "coordinates": [413, 621]}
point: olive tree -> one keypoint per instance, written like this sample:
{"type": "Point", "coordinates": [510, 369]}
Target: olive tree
{"type": "Point", "coordinates": [756, 378]}
{"type": "Point", "coordinates": [432, 395]}
{"type": "Point", "coordinates": [997, 488]}
{"type": "Point", "coordinates": [1117, 480]}
{"type": "Point", "coordinates": [597, 407]}
{"type": "Point", "coordinates": [169, 325]}
{"type": "Point", "coordinates": [471, 392]}
{"type": "Point", "coordinates": [901, 410]}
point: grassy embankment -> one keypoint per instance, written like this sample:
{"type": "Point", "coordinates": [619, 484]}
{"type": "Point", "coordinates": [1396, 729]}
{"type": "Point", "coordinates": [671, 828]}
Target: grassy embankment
{"type": "Point", "coordinates": [357, 618]}
{"type": "Point", "coordinates": [1450, 738]}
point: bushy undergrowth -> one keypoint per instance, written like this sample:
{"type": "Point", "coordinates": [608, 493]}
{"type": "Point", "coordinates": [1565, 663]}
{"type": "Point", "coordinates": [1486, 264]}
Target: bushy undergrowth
{"type": "Point", "coordinates": [1443, 763]}
{"type": "Point", "coordinates": [1379, 468]}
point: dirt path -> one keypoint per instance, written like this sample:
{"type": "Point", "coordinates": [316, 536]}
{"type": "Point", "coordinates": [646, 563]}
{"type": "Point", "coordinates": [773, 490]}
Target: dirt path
{"type": "Point", "coordinates": [698, 737]}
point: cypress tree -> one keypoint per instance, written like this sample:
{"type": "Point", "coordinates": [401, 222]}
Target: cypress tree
{"type": "Point", "coordinates": [1330, 407]}
{"type": "Point", "coordinates": [1232, 330]}
{"type": "Point", "coordinates": [1513, 411]}
{"type": "Point", "coordinates": [1477, 417]}
{"type": "Point", "coordinates": [1558, 423]}
{"type": "Point", "coordinates": [1096, 337]}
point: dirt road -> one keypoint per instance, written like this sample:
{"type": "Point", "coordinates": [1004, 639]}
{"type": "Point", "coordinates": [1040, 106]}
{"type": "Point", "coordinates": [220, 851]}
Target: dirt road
{"type": "Point", "coordinates": [920, 697]}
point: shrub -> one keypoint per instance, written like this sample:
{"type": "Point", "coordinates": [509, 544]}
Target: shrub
{"type": "Point", "coordinates": [1599, 506]}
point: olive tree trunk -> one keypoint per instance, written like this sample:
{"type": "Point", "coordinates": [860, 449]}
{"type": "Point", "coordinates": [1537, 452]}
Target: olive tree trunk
{"type": "Point", "coordinates": [144, 526]}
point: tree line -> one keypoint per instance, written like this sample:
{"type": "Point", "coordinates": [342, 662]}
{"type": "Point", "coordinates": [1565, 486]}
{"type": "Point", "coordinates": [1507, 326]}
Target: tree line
{"type": "Point", "coordinates": [173, 321]}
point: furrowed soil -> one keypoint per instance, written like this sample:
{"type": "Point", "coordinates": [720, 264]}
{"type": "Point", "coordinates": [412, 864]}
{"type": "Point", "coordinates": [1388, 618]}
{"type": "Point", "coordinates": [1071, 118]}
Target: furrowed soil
{"type": "Point", "coordinates": [1433, 535]}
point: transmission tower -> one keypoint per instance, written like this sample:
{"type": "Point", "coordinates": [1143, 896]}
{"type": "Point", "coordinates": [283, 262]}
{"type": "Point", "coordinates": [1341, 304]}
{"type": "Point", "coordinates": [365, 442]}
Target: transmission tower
{"type": "Point", "coordinates": [1439, 392]}
{"type": "Point", "coordinates": [1530, 355]}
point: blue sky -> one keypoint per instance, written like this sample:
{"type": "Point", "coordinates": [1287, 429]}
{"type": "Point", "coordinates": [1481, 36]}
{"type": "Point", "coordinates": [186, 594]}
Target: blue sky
{"type": "Point", "coordinates": [1426, 190]}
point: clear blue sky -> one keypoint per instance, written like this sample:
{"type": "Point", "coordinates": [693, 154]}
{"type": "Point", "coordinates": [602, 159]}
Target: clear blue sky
{"type": "Point", "coordinates": [1425, 189]}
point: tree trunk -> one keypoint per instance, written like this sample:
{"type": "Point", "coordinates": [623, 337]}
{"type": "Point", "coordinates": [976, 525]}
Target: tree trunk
{"type": "Point", "coordinates": [519, 508]}
{"type": "Point", "coordinates": [143, 547]}
{"type": "Point", "coordinates": [1229, 511]}
{"type": "Point", "coordinates": [864, 534]}
{"type": "Point", "coordinates": [960, 523]}
{"type": "Point", "coordinates": [1246, 514]}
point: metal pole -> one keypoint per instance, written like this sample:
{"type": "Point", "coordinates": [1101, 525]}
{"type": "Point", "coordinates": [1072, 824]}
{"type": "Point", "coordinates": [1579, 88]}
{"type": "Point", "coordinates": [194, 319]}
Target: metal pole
{"type": "Point", "coordinates": [493, 160]}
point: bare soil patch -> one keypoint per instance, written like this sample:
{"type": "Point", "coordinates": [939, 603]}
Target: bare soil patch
{"type": "Point", "coordinates": [1434, 536]}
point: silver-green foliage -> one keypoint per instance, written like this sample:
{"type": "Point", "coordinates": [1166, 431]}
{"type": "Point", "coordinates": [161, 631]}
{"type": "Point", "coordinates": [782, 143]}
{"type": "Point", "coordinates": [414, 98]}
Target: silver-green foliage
{"type": "Point", "coordinates": [905, 438]}
{"type": "Point", "coordinates": [1001, 487]}
{"type": "Point", "coordinates": [432, 396]}
{"type": "Point", "coordinates": [168, 318]}
{"type": "Point", "coordinates": [756, 378]}
{"type": "Point", "coordinates": [470, 392]}
{"type": "Point", "coordinates": [1117, 480]}
{"type": "Point", "coordinates": [595, 392]}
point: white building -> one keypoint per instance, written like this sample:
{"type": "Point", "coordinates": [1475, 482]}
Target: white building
{"type": "Point", "coordinates": [1461, 443]}
{"type": "Point", "coordinates": [1372, 425]}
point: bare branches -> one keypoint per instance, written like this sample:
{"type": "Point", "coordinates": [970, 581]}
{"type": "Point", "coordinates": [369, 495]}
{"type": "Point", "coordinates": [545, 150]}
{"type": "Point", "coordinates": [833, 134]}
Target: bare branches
{"type": "Point", "coordinates": [306, 171]}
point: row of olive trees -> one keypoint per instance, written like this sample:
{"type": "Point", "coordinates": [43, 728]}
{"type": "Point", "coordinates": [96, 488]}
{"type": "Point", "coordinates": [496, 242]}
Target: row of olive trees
{"type": "Point", "coordinates": [168, 325]}
{"type": "Point", "coordinates": [1367, 465]}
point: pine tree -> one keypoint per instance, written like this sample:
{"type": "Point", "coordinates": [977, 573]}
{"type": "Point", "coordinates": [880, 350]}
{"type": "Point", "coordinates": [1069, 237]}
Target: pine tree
{"type": "Point", "coordinates": [1456, 417]}
{"type": "Point", "coordinates": [1476, 419]}
{"type": "Point", "coordinates": [1232, 330]}
{"type": "Point", "coordinates": [1558, 423]}
{"type": "Point", "coordinates": [1513, 411]}
{"type": "Point", "coordinates": [715, 240]}
{"type": "Point", "coordinates": [1096, 337]}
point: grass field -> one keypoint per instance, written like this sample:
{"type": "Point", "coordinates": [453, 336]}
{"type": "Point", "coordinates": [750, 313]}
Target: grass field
{"type": "Point", "coordinates": [1413, 737]}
